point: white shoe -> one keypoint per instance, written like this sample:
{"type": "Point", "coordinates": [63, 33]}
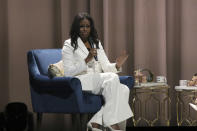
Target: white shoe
{"type": "Point", "coordinates": [193, 106]}
{"type": "Point", "coordinates": [91, 128]}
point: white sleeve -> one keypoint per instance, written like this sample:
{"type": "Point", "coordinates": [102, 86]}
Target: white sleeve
{"type": "Point", "coordinates": [104, 61]}
{"type": "Point", "coordinates": [72, 66]}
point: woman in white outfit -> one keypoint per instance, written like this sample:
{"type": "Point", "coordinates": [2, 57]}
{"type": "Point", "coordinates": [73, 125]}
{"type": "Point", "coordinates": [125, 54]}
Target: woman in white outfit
{"type": "Point", "coordinates": [83, 56]}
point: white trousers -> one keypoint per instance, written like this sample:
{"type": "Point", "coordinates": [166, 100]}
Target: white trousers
{"type": "Point", "coordinates": [116, 109]}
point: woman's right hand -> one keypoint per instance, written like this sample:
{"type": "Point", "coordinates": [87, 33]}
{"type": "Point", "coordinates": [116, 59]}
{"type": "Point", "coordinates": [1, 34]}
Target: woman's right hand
{"type": "Point", "coordinates": [91, 54]}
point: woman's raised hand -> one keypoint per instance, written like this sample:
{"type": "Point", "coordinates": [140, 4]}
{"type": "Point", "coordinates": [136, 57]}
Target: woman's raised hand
{"type": "Point", "coordinates": [121, 59]}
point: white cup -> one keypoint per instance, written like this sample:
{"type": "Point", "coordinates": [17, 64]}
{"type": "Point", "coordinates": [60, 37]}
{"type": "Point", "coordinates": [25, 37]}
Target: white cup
{"type": "Point", "coordinates": [161, 79]}
{"type": "Point", "coordinates": [183, 82]}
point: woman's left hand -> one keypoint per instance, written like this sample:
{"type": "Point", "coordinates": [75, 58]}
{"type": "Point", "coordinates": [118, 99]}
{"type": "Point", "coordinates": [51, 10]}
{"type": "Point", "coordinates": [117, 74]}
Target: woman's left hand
{"type": "Point", "coordinates": [121, 59]}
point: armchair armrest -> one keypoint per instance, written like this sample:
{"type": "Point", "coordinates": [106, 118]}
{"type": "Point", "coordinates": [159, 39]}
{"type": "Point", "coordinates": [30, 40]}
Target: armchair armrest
{"type": "Point", "coordinates": [64, 85]}
{"type": "Point", "coordinates": [45, 83]}
{"type": "Point", "coordinates": [127, 80]}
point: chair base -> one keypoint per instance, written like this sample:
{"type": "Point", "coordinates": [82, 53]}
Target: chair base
{"type": "Point", "coordinates": [39, 120]}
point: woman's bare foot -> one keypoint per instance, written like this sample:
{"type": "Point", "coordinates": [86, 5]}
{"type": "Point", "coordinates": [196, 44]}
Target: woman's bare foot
{"type": "Point", "coordinates": [115, 126]}
{"type": "Point", "coordinates": [95, 125]}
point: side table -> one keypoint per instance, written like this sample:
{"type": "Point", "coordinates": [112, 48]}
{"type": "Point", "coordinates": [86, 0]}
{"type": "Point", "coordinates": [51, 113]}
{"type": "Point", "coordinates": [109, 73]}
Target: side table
{"type": "Point", "coordinates": [186, 115]}
{"type": "Point", "coordinates": [151, 105]}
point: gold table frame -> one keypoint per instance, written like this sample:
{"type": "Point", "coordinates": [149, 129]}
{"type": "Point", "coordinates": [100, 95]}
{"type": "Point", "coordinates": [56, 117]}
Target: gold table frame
{"type": "Point", "coordinates": [186, 115]}
{"type": "Point", "coordinates": [154, 110]}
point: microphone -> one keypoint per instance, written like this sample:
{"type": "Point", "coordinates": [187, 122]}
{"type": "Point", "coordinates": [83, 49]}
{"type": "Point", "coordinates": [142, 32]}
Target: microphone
{"type": "Point", "coordinates": [92, 46]}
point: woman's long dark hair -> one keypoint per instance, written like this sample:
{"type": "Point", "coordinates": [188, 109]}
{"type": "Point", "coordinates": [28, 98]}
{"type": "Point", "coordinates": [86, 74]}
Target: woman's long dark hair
{"type": "Point", "coordinates": [75, 29]}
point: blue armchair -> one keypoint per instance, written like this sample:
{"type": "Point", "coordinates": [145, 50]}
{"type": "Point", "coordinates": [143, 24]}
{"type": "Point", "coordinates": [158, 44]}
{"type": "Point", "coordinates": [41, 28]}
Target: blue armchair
{"type": "Point", "coordinates": [59, 94]}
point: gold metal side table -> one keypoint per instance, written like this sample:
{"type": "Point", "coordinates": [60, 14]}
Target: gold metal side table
{"type": "Point", "coordinates": [186, 115]}
{"type": "Point", "coordinates": [151, 105]}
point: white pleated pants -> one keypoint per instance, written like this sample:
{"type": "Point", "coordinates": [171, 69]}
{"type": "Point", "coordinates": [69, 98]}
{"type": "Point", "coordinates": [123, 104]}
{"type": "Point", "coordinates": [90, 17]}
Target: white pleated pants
{"type": "Point", "coordinates": [116, 109]}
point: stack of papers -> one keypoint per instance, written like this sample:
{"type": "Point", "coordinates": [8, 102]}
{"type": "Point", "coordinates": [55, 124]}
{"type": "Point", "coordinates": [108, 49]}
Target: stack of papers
{"type": "Point", "coordinates": [150, 84]}
{"type": "Point", "coordinates": [185, 88]}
